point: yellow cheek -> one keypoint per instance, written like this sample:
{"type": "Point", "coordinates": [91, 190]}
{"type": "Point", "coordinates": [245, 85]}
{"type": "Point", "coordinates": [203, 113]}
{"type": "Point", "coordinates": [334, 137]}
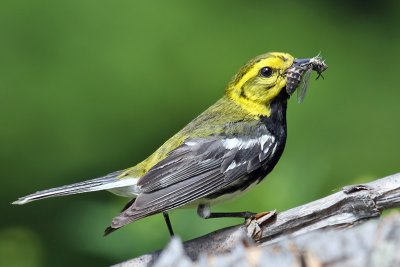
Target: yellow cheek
{"type": "Point", "coordinates": [258, 92]}
{"type": "Point", "coordinates": [250, 91]}
{"type": "Point", "coordinates": [273, 92]}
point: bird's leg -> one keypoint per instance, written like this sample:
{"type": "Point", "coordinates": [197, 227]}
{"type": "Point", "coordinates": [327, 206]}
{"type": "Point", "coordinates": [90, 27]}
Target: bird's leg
{"type": "Point", "coordinates": [168, 222]}
{"type": "Point", "coordinates": [204, 212]}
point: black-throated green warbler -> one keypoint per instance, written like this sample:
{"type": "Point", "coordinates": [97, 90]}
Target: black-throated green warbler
{"type": "Point", "coordinates": [230, 147]}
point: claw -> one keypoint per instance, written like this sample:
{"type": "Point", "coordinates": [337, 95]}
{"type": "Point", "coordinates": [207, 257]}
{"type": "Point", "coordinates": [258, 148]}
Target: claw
{"type": "Point", "coordinates": [253, 225]}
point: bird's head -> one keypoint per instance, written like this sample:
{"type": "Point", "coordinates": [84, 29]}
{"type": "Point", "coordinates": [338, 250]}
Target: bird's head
{"type": "Point", "coordinates": [262, 79]}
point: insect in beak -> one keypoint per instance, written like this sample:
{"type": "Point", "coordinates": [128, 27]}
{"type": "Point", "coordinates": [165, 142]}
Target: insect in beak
{"type": "Point", "coordinates": [298, 75]}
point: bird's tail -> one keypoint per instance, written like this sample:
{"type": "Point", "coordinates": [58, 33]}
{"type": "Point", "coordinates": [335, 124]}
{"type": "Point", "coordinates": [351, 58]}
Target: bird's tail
{"type": "Point", "coordinates": [119, 186]}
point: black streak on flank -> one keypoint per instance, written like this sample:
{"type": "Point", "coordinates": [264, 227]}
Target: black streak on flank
{"type": "Point", "coordinates": [276, 125]}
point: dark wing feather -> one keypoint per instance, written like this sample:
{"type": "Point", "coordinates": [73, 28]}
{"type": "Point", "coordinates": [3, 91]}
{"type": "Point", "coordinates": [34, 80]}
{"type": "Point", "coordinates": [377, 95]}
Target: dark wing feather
{"type": "Point", "coordinates": [190, 159]}
{"type": "Point", "coordinates": [197, 168]}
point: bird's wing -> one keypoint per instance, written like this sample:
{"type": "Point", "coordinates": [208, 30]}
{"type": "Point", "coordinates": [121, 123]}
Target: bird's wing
{"type": "Point", "coordinates": [195, 169]}
{"type": "Point", "coordinates": [230, 158]}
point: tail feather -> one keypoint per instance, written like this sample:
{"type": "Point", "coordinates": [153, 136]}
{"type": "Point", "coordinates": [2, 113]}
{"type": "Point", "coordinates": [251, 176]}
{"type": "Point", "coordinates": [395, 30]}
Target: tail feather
{"type": "Point", "coordinates": [124, 187]}
{"type": "Point", "coordinates": [109, 230]}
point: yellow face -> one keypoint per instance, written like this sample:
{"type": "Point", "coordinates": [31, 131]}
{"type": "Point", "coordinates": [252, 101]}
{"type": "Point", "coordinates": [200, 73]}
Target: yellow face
{"type": "Point", "coordinates": [260, 81]}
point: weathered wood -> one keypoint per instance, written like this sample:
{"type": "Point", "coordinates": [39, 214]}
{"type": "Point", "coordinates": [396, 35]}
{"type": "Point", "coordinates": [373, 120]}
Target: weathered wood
{"type": "Point", "coordinates": [351, 205]}
{"type": "Point", "coordinates": [375, 243]}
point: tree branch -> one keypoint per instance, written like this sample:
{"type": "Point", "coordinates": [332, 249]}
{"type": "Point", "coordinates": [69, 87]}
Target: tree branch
{"type": "Point", "coordinates": [351, 205]}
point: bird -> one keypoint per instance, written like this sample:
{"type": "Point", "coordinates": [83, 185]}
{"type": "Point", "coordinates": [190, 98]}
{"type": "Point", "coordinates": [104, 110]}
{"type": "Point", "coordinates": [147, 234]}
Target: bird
{"type": "Point", "coordinates": [226, 150]}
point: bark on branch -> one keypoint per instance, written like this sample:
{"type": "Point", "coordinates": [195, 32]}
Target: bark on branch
{"type": "Point", "coordinates": [351, 205]}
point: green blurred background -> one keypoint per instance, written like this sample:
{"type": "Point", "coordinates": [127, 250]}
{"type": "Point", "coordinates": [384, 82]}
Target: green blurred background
{"type": "Point", "coordinates": [90, 87]}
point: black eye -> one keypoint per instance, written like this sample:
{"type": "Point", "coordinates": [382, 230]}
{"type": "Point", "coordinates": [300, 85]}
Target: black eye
{"type": "Point", "coordinates": [266, 72]}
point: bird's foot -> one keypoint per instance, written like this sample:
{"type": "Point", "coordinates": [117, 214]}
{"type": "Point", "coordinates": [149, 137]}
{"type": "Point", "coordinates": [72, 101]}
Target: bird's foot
{"type": "Point", "coordinates": [253, 224]}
